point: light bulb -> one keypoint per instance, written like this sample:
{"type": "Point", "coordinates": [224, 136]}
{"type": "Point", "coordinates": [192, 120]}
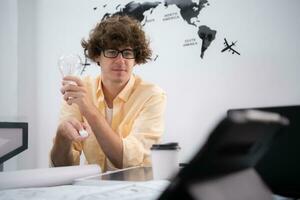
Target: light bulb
{"type": "Point", "coordinates": [70, 64]}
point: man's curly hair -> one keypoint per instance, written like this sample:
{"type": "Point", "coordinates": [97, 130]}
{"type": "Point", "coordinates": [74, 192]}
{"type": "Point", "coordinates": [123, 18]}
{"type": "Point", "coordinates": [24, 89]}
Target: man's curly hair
{"type": "Point", "coordinates": [115, 32]}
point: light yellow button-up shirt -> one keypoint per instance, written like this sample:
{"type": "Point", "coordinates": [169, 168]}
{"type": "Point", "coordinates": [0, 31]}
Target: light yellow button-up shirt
{"type": "Point", "coordinates": [138, 118]}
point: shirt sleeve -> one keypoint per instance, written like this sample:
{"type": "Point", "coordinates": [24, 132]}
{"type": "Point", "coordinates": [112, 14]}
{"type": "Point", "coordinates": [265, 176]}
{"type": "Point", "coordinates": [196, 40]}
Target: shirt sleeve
{"type": "Point", "coordinates": [147, 130]}
{"type": "Point", "coordinates": [68, 111]}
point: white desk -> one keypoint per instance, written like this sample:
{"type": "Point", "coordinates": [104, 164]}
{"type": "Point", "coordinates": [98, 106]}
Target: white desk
{"type": "Point", "coordinates": [136, 174]}
{"type": "Point", "coordinates": [134, 183]}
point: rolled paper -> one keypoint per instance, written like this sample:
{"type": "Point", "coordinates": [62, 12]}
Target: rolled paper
{"type": "Point", "coordinates": [45, 177]}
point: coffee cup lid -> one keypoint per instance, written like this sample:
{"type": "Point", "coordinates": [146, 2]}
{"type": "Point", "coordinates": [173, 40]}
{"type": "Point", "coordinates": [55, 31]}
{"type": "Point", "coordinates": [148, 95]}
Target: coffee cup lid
{"type": "Point", "coordinates": [166, 146]}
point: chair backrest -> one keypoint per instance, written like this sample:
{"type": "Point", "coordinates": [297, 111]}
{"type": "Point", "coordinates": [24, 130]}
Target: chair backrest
{"type": "Point", "coordinates": [237, 143]}
{"type": "Point", "coordinates": [280, 166]}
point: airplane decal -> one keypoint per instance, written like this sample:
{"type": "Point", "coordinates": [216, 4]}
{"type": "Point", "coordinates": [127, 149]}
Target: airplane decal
{"type": "Point", "coordinates": [229, 47]}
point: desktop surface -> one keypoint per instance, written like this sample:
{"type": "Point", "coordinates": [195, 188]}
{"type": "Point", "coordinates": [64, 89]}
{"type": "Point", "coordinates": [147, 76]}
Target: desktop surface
{"type": "Point", "coordinates": [129, 174]}
{"type": "Point", "coordinates": [134, 174]}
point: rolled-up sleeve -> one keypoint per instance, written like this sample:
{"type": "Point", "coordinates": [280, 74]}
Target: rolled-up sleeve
{"type": "Point", "coordinates": [147, 129]}
{"type": "Point", "coordinates": [68, 111]}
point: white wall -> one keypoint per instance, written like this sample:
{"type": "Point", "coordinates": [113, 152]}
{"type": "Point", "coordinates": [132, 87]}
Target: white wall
{"type": "Point", "coordinates": [18, 73]}
{"type": "Point", "coordinates": [60, 26]}
{"type": "Point", "coordinates": [27, 79]}
{"type": "Point", "coordinates": [9, 65]}
{"type": "Point", "coordinates": [8, 58]}
{"type": "Point", "coordinates": [199, 90]}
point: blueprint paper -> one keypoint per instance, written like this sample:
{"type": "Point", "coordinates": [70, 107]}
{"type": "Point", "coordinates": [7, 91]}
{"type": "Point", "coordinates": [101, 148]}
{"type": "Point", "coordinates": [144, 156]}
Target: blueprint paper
{"type": "Point", "coordinates": [148, 190]}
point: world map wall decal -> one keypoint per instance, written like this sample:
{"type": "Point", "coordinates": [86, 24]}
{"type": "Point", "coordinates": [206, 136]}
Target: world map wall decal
{"type": "Point", "coordinates": [189, 11]}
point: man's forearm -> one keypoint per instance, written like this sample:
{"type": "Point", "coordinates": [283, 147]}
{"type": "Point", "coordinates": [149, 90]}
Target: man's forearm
{"type": "Point", "coordinates": [109, 140]}
{"type": "Point", "coordinates": [61, 154]}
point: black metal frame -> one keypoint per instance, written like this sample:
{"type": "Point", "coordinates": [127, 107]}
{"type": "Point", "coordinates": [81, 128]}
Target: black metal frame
{"type": "Point", "coordinates": [24, 127]}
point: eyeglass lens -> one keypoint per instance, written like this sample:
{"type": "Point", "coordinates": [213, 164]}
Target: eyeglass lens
{"type": "Point", "coordinates": [113, 53]}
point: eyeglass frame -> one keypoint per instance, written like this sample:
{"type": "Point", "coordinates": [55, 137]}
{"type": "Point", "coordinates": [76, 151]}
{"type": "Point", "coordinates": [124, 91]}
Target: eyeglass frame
{"type": "Point", "coordinates": [118, 52]}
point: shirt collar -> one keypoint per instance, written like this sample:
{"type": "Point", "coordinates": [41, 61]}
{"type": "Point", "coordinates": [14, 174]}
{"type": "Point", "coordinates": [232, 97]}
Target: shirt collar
{"type": "Point", "coordinates": [123, 95]}
{"type": "Point", "coordinates": [99, 91]}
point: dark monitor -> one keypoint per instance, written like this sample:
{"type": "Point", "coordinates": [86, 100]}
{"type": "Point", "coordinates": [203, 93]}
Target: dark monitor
{"type": "Point", "coordinates": [13, 139]}
{"type": "Point", "coordinates": [237, 143]}
{"type": "Point", "coordinates": [280, 166]}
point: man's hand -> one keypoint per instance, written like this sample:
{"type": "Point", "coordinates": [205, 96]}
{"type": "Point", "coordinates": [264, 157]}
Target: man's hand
{"type": "Point", "coordinates": [68, 130]}
{"type": "Point", "coordinates": [74, 91]}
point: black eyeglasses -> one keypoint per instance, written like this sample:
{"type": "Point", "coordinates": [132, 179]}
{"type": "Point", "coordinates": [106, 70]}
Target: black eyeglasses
{"type": "Point", "coordinates": [113, 53]}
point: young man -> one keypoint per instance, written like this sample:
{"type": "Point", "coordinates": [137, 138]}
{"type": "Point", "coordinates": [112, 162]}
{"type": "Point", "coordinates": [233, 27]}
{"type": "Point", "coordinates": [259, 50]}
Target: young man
{"type": "Point", "coordinates": [122, 114]}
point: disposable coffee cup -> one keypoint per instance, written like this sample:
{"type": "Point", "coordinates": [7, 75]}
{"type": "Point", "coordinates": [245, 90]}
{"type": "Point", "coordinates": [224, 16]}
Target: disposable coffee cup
{"type": "Point", "coordinates": [164, 160]}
